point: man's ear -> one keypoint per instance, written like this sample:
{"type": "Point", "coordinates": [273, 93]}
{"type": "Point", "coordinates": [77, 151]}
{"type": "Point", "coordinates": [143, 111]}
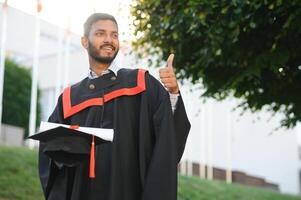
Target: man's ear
{"type": "Point", "coordinates": [85, 42]}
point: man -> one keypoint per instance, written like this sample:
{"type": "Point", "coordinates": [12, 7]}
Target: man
{"type": "Point", "coordinates": [150, 127]}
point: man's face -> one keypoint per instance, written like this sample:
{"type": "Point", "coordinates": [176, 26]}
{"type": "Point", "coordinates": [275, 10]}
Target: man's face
{"type": "Point", "coordinates": [103, 43]}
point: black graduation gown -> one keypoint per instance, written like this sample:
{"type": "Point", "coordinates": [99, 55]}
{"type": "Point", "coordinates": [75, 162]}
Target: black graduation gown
{"type": "Point", "coordinates": [141, 162]}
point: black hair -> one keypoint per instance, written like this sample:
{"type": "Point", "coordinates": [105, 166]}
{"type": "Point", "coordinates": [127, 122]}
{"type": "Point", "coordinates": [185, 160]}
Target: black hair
{"type": "Point", "coordinates": [94, 18]}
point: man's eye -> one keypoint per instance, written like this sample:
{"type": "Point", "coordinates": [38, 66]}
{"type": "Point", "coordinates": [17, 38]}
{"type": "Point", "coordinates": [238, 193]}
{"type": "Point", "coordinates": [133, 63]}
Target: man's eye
{"type": "Point", "coordinates": [115, 35]}
{"type": "Point", "coordinates": [99, 33]}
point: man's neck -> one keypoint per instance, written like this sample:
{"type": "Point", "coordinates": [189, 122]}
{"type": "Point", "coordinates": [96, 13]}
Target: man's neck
{"type": "Point", "coordinates": [97, 67]}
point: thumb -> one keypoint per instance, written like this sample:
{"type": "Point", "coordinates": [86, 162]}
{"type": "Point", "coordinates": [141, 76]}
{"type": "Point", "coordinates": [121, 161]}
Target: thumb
{"type": "Point", "coordinates": [170, 60]}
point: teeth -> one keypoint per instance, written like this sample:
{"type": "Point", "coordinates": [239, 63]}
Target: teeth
{"type": "Point", "coordinates": [108, 48]}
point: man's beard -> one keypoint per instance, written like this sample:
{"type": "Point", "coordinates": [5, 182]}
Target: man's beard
{"type": "Point", "coordinates": [94, 53]}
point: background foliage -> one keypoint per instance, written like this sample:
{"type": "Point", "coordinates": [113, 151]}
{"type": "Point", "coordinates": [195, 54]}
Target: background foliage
{"type": "Point", "coordinates": [16, 96]}
{"type": "Point", "coordinates": [242, 48]}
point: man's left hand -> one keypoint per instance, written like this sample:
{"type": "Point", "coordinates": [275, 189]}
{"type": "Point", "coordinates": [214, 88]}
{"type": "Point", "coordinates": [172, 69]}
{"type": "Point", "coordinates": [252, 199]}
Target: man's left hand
{"type": "Point", "coordinates": [168, 76]}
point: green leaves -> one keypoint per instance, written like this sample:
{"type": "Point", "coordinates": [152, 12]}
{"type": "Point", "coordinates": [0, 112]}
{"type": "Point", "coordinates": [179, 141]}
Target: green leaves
{"type": "Point", "coordinates": [16, 96]}
{"type": "Point", "coordinates": [250, 49]}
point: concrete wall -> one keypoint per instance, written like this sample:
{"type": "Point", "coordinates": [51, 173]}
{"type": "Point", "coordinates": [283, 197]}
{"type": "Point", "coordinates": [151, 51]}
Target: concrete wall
{"type": "Point", "coordinates": [11, 135]}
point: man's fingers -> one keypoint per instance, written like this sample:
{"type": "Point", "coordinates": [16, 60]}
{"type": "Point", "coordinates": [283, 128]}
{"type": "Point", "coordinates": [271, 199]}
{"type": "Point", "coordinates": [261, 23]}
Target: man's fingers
{"type": "Point", "coordinates": [168, 79]}
{"type": "Point", "coordinates": [166, 75]}
{"type": "Point", "coordinates": [168, 85]}
{"type": "Point", "coordinates": [166, 72]}
{"type": "Point", "coordinates": [170, 61]}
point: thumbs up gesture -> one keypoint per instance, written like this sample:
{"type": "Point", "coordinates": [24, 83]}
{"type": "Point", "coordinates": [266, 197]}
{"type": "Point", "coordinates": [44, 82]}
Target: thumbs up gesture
{"type": "Point", "coordinates": [168, 76]}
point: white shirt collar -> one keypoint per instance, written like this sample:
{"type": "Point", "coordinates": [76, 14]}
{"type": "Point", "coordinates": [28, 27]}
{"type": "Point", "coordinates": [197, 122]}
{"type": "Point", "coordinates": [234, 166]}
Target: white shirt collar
{"type": "Point", "coordinates": [113, 68]}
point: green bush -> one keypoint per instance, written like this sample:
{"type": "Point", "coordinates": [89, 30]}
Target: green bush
{"type": "Point", "coordinates": [16, 96]}
{"type": "Point", "coordinates": [246, 49]}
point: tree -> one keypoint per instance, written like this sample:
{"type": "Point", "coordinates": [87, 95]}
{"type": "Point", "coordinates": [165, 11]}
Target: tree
{"type": "Point", "coordinates": [246, 49]}
{"type": "Point", "coordinates": [16, 96]}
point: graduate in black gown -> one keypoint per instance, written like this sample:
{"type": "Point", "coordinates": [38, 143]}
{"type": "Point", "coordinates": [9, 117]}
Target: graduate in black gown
{"type": "Point", "coordinates": [150, 128]}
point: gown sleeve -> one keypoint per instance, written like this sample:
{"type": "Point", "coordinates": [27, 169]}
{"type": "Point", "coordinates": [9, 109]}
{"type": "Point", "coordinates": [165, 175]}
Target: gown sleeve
{"type": "Point", "coordinates": [161, 177]}
{"type": "Point", "coordinates": [182, 127]}
{"type": "Point", "coordinates": [46, 165]}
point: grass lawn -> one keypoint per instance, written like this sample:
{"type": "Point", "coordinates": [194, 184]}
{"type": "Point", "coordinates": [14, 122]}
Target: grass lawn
{"type": "Point", "coordinates": [192, 188]}
{"type": "Point", "coordinates": [19, 174]}
{"type": "Point", "coordinates": [19, 181]}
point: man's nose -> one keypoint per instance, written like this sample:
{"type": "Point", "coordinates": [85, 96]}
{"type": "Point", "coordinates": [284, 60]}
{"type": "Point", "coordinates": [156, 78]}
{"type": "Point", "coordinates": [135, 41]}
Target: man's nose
{"type": "Point", "coordinates": [108, 39]}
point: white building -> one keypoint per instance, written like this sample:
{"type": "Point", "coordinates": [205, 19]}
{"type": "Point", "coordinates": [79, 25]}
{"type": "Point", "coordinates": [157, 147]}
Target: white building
{"type": "Point", "coordinates": [253, 149]}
